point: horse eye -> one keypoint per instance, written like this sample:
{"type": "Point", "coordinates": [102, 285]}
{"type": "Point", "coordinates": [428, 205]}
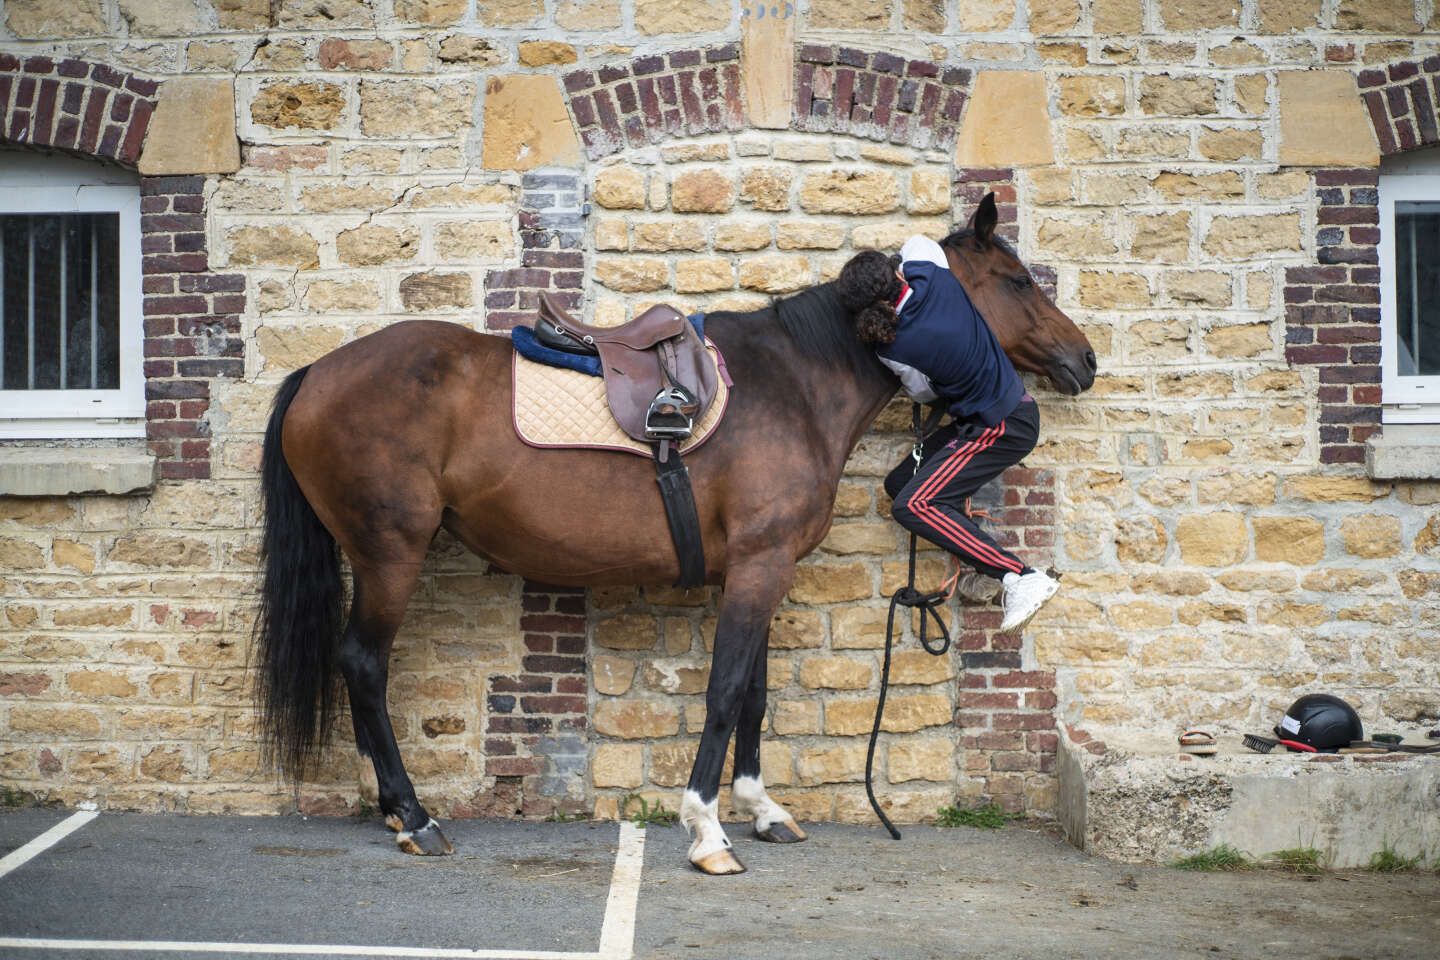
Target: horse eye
{"type": "Point", "coordinates": [1022, 282]}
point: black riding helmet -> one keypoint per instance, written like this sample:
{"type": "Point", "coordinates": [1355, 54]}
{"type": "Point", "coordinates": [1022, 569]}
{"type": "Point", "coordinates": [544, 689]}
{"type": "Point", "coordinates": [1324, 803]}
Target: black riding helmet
{"type": "Point", "coordinates": [1322, 721]}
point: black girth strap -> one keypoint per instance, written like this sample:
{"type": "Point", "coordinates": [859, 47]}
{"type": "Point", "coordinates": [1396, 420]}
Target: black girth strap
{"type": "Point", "coordinates": [908, 597]}
{"type": "Point", "coordinates": [674, 480]}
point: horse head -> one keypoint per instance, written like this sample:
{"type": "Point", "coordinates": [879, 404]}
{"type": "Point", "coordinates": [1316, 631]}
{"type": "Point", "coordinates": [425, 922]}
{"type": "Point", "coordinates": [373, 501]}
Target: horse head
{"type": "Point", "coordinates": [1036, 334]}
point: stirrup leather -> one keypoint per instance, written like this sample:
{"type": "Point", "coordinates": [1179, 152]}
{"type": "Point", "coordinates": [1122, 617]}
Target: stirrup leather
{"type": "Point", "coordinates": [671, 415]}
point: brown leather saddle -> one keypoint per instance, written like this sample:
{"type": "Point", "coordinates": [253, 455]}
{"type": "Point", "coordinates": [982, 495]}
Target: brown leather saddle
{"type": "Point", "coordinates": [659, 379]}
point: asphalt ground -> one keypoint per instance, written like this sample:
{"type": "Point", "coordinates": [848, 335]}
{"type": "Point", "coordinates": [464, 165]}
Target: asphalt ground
{"type": "Point", "coordinates": [514, 888]}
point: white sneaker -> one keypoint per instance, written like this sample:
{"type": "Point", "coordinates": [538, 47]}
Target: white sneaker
{"type": "Point", "coordinates": [1024, 596]}
{"type": "Point", "coordinates": [977, 588]}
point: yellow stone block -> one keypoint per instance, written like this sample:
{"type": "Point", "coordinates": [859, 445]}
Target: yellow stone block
{"type": "Point", "coordinates": [903, 714]}
{"type": "Point", "coordinates": [1212, 539]}
{"type": "Point", "coordinates": [526, 124]}
{"type": "Point", "coordinates": [702, 191]}
{"type": "Point", "coordinates": [620, 188]}
{"type": "Point", "coordinates": [1371, 535]}
{"type": "Point", "coordinates": [1326, 489]}
{"type": "Point", "coordinates": [1007, 122]}
{"type": "Point", "coordinates": [629, 631]}
{"type": "Point", "coordinates": [775, 274]}
{"type": "Point", "coordinates": [850, 192]}
{"type": "Point", "coordinates": [927, 759]}
{"type": "Point", "coordinates": [835, 673]}
{"type": "Point", "coordinates": [1297, 540]}
{"type": "Point", "coordinates": [612, 675]}
{"type": "Point", "coordinates": [1323, 121]}
{"type": "Point", "coordinates": [617, 765]}
{"type": "Point", "coordinates": [540, 53]}
{"type": "Point", "coordinates": [636, 719]}
{"type": "Point", "coordinates": [193, 129]}
{"type": "Point", "coordinates": [794, 717]}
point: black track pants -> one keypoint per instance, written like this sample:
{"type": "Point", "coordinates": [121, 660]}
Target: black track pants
{"type": "Point", "coordinates": [958, 460]}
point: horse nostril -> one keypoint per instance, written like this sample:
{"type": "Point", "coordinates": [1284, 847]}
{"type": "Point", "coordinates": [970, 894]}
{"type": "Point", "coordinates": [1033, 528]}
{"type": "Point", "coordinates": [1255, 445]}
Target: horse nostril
{"type": "Point", "coordinates": [1090, 360]}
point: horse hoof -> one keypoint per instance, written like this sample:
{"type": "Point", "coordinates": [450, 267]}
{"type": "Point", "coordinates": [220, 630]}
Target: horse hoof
{"type": "Point", "coordinates": [720, 863]}
{"type": "Point", "coordinates": [428, 841]}
{"type": "Point", "coordinates": [782, 831]}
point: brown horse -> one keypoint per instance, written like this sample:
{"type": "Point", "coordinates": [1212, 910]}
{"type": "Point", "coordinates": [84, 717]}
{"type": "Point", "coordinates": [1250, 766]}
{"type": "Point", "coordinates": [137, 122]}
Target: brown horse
{"type": "Point", "coordinates": [380, 444]}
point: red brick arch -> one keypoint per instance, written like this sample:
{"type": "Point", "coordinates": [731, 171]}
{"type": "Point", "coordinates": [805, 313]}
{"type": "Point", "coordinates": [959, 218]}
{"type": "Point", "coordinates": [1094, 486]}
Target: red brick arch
{"type": "Point", "coordinates": [192, 316]}
{"type": "Point", "coordinates": [872, 95]}
{"type": "Point", "coordinates": [81, 107]}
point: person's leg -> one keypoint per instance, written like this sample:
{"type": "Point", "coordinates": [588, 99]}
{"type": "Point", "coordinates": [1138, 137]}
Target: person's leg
{"type": "Point", "coordinates": [932, 503]}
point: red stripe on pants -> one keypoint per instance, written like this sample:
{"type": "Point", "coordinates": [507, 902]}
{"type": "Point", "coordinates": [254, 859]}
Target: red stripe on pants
{"type": "Point", "coordinates": [919, 503]}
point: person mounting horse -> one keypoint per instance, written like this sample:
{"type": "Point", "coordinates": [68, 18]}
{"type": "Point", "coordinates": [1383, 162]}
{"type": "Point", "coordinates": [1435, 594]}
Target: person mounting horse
{"type": "Point", "coordinates": [927, 331]}
{"type": "Point", "coordinates": [374, 448]}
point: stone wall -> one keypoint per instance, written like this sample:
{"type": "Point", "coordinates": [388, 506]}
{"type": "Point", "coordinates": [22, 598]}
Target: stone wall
{"type": "Point", "coordinates": [1194, 181]}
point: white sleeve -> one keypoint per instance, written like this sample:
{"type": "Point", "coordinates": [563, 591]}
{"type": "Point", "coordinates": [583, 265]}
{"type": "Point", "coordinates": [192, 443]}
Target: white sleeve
{"type": "Point", "coordinates": [925, 250]}
{"type": "Point", "coordinates": [916, 384]}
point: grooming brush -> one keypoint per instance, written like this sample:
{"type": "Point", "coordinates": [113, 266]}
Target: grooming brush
{"type": "Point", "coordinates": [1260, 744]}
{"type": "Point", "coordinates": [1265, 744]}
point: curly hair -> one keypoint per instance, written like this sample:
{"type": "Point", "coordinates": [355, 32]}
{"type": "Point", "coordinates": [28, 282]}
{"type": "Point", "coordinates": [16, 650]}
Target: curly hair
{"type": "Point", "coordinates": [869, 287]}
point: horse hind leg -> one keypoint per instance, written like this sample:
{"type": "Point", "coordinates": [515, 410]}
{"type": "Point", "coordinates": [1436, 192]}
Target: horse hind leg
{"type": "Point", "coordinates": [375, 615]}
{"type": "Point", "coordinates": [748, 795]}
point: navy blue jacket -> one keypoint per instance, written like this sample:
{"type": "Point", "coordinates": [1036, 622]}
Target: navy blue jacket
{"type": "Point", "coordinates": [941, 334]}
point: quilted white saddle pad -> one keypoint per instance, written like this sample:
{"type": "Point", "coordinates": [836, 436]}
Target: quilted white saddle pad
{"type": "Point", "coordinates": [555, 407]}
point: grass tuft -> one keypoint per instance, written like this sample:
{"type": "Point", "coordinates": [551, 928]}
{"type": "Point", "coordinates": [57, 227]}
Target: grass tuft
{"type": "Point", "coordinates": [647, 814]}
{"type": "Point", "coordinates": [1297, 860]}
{"type": "Point", "coordinates": [1386, 860]}
{"type": "Point", "coordinates": [1223, 857]}
{"type": "Point", "coordinates": [10, 797]}
{"type": "Point", "coordinates": [988, 817]}
{"type": "Point", "coordinates": [560, 816]}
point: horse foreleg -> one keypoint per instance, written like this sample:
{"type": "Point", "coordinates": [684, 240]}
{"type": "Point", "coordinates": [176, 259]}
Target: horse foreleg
{"type": "Point", "coordinates": [749, 798]}
{"type": "Point", "coordinates": [375, 615]}
{"type": "Point", "coordinates": [751, 595]}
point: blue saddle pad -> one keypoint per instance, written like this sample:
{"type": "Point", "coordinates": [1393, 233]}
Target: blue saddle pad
{"type": "Point", "coordinates": [532, 349]}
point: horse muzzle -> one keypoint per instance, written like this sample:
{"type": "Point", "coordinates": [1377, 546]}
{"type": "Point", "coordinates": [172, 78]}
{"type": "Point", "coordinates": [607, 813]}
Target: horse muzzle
{"type": "Point", "coordinates": [1073, 373]}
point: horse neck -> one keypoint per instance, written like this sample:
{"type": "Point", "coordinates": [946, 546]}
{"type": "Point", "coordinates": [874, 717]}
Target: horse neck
{"type": "Point", "coordinates": [840, 399]}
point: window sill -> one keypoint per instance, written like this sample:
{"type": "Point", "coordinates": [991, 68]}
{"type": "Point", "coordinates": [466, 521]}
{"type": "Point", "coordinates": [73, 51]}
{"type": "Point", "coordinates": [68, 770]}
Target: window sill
{"type": "Point", "coordinates": [73, 468]}
{"type": "Point", "coordinates": [1405, 451]}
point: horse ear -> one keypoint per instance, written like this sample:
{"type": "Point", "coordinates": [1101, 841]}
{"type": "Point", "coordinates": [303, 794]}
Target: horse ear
{"type": "Point", "coordinates": [983, 220]}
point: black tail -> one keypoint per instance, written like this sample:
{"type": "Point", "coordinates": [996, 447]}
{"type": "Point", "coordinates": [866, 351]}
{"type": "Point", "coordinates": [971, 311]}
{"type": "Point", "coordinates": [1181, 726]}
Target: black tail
{"type": "Point", "coordinates": [302, 606]}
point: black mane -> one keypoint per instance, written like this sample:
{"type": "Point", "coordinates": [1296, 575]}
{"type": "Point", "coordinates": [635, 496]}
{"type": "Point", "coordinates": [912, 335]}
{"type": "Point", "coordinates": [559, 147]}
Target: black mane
{"type": "Point", "coordinates": [958, 238]}
{"type": "Point", "coordinates": [819, 324]}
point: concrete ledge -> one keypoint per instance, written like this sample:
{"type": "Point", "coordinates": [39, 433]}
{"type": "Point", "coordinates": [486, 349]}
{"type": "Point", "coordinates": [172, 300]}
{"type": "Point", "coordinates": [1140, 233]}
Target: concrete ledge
{"type": "Point", "coordinates": [1128, 804]}
{"type": "Point", "coordinates": [65, 470]}
{"type": "Point", "coordinates": [1405, 451]}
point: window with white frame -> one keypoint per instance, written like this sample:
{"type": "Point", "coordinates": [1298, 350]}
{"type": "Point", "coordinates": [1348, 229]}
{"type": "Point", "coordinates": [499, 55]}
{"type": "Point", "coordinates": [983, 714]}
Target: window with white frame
{"type": "Point", "coordinates": [1410, 287]}
{"type": "Point", "coordinates": [71, 325]}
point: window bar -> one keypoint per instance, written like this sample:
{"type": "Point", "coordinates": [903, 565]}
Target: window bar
{"type": "Point", "coordinates": [30, 304]}
{"type": "Point", "coordinates": [1414, 301]}
{"type": "Point", "coordinates": [64, 303]}
{"type": "Point", "coordinates": [94, 319]}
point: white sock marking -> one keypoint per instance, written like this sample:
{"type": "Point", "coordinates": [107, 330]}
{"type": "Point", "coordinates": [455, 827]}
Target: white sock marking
{"type": "Point", "coordinates": [750, 799]}
{"type": "Point", "coordinates": [703, 821]}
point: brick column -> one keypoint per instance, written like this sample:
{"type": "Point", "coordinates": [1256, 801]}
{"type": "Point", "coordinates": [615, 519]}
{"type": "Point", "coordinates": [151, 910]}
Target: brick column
{"type": "Point", "coordinates": [1006, 713]}
{"type": "Point", "coordinates": [552, 257]}
{"type": "Point", "coordinates": [192, 325]}
{"type": "Point", "coordinates": [535, 745]}
{"type": "Point", "coordinates": [1332, 313]}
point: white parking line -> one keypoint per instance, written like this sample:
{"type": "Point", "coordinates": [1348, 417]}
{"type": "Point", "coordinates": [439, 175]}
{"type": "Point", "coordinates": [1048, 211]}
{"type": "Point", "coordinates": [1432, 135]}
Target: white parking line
{"type": "Point", "coordinates": [18, 858]}
{"type": "Point", "coordinates": [617, 934]}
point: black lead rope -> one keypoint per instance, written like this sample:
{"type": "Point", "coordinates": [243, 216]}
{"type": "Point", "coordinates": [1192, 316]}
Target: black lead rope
{"type": "Point", "coordinates": [907, 596]}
